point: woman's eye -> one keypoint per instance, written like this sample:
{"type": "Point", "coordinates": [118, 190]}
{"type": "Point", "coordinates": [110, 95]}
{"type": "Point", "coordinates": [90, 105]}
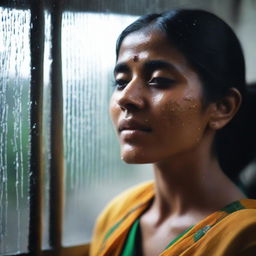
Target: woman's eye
{"type": "Point", "coordinates": [120, 83]}
{"type": "Point", "coordinates": [161, 82]}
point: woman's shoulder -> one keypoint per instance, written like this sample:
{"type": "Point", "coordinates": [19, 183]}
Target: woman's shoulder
{"type": "Point", "coordinates": [245, 218]}
{"type": "Point", "coordinates": [240, 217]}
{"type": "Point", "coordinates": [118, 208]}
{"type": "Point", "coordinates": [127, 200]}
{"type": "Point", "coordinates": [234, 234]}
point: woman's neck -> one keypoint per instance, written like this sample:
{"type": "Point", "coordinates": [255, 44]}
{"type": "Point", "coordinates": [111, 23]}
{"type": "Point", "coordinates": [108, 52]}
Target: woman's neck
{"type": "Point", "coordinates": [191, 184]}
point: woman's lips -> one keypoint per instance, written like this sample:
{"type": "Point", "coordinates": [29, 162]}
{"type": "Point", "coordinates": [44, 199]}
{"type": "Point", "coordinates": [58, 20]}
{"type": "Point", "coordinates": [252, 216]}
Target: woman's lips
{"type": "Point", "coordinates": [132, 125]}
{"type": "Point", "coordinates": [130, 129]}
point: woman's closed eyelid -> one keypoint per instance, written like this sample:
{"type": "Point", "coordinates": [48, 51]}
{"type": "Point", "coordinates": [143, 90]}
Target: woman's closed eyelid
{"type": "Point", "coordinates": [120, 83]}
{"type": "Point", "coordinates": [120, 80]}
{"type": "Point", "coordinates": [161, 81]}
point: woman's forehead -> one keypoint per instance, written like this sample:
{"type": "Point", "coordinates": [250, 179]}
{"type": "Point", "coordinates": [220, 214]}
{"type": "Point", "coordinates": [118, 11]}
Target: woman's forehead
{"type": "Point", "coordinates": [143, 39]}
{"type": "Point", "coordinates": [144, 46]}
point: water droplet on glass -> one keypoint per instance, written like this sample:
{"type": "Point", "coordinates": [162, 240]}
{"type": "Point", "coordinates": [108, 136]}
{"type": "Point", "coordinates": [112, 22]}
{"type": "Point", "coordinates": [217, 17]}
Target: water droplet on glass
{"type": "Point", "coordinates": [14, 125]}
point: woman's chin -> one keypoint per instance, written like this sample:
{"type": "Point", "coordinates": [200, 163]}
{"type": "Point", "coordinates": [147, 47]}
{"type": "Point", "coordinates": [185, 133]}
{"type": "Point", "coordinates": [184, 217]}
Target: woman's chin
{"type": "Point", "coordinates": [134, 157]}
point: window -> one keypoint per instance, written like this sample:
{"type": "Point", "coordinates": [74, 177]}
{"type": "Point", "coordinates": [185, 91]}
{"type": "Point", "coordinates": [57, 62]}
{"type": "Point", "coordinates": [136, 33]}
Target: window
{"type": "Point", "coordinates": [14, 128]}
{"type": "Point", "coordinates": [58, 153]}
{"type": "Point", "coordinates": [57, 72]}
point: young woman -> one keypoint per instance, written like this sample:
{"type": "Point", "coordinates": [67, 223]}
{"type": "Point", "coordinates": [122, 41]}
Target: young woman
{"type": "Point", "coordinates": [178, 104]}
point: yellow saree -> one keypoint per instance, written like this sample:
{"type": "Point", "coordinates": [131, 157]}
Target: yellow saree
{"type": "Point", "coordinates": [227, 232]}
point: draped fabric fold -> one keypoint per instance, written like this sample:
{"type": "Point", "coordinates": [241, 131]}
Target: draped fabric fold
{"type": "Point", "coordinates": [229, 231]}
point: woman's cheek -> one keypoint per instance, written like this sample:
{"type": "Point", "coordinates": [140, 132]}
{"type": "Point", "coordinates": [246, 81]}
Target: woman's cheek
{"type": "Point", "coordinates": [182, 121]}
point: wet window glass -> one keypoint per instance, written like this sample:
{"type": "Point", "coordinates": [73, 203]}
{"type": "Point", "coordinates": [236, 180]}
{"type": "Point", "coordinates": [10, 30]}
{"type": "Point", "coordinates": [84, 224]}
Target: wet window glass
{"type": "Point", "coordinates": [94, 172]}
{"type": "Point", "coordinates": [14, 129]}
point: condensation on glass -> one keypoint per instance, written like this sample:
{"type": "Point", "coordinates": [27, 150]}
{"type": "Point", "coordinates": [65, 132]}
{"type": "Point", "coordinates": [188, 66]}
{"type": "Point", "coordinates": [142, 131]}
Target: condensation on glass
{"type": "Point", "coordinates": [14, 129]}
{"type": "Point", "coordinates": [94, 172]}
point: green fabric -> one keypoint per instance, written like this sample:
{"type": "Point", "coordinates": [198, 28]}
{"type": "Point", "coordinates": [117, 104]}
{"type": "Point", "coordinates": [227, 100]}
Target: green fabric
{"type": "Point", "coordinates": [112, 229]}
{"type": "Point", "coordinates": [178, 237]}
{"type": "Point", "coordinates": [130, 244]}
{"type": "Point", "coordinates": [130, 247]}
{"type": "Point", "coordinates": [233, 207]}
{"type": "Point", "coordinates": [201, 233]}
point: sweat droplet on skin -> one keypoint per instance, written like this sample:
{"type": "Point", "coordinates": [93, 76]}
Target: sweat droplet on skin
{"type": "Point", "coordinates": [175, 106]}
{"type": "Point", "coordinates": [188, 98]}
{"type": "Point", "coordinates": [197, 139]}
{"type": "Point", "coordinates": [194, 106]}
{"type": "Point", "coordinates": [192, 101]}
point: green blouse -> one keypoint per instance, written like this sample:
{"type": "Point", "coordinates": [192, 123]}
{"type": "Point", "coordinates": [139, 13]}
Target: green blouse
{"type": "Point", "coordinates": [133, 246]}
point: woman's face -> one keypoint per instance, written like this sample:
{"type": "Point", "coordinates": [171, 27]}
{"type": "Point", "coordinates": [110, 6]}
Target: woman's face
{"type": "Point", "coordinates": [156, 107]}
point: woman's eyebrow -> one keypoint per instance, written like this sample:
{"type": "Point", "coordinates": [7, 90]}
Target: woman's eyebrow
{"type": "Point", "coordinates": [149, 66]}
{"type": "Point", "coordinates": [121, 68]}
{"type": "Point", "coordinates": [158, 64]}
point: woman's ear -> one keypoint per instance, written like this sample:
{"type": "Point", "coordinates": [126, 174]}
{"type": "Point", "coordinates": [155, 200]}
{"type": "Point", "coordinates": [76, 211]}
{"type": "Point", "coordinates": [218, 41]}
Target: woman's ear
{"type": "Point", "coordinates": [223, 110]}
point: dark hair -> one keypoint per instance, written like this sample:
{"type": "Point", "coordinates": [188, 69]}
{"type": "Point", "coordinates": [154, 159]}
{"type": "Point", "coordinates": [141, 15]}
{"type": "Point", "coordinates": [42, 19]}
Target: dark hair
{"type": "Point", "coordinates": [212, 48]}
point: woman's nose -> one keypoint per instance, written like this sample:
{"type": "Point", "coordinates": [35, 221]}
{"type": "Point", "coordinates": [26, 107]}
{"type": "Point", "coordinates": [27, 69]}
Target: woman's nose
{"type": "Point", "coordinates": [132, 97]}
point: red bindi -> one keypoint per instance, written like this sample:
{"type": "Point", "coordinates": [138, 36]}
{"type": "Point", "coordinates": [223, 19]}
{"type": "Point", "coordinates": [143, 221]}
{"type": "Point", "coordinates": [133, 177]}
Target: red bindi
{"type": "Point", "coordinates": [135, 58]}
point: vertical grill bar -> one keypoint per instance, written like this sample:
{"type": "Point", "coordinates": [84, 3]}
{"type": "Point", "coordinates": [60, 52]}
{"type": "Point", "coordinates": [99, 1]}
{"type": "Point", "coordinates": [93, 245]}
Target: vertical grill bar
{"type": "Point", "coordinates": [57, 157]}
{"type": "Point", "coordinates": [36, 97]}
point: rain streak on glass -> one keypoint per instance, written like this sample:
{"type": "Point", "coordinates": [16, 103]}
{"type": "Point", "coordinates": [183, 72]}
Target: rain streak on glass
{"type": "Point", "coordinates": [94, 172]}
{"type": "Point", "coordinates": [14, 129]}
